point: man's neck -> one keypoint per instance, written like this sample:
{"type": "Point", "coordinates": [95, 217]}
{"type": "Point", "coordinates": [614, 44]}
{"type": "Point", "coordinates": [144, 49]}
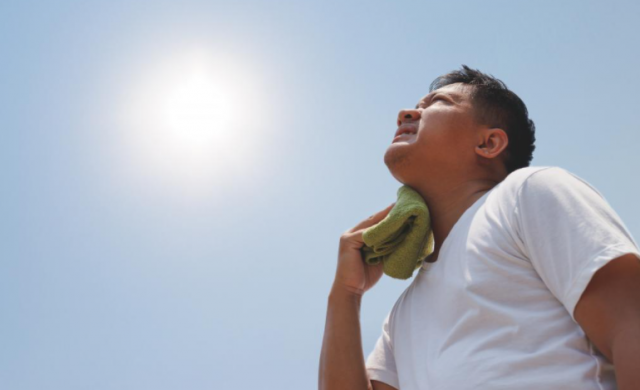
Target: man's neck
{"type": "Point", "coordinates": [448, 201]}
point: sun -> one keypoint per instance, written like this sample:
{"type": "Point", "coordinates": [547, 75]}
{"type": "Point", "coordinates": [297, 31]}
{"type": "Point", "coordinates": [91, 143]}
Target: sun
{"type": "Point", "coordinates": [197, 109]}
{"type": "Point", "coordinates": [192, 118]}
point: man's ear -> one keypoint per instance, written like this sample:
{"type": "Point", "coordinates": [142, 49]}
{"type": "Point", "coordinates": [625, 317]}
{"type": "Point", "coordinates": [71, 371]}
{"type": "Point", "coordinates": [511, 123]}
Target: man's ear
{"type": "Point", "coordinates": [492, 142]}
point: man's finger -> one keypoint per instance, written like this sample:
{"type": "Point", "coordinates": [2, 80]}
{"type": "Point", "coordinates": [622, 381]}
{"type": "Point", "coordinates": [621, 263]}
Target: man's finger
{"type": "Point", "coordinates": [374, 219]}
{"type": "Point", "coordinates": [353, 240]}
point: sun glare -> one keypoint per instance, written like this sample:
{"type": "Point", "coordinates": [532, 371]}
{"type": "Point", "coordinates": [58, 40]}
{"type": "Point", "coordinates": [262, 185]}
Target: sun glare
{"type": "Point", "coordinates": [194, 119]}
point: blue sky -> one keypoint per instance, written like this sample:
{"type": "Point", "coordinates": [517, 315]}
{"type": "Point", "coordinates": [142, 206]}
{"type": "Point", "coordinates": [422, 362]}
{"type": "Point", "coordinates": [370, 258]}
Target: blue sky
{"type": "Point", "coordinates": [133, 257]}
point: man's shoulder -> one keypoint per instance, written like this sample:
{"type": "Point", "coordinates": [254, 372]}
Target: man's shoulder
{"type": "Point", "coordinates": [547, 182]}
{"type": "Point", "coordinates": [536, 181]}
{"type": "Point", "coordinates": [513, 183]}
{"type": "Point", "coordinates": [521, 175]}
{"type": "Point", "coordinates": [539, 177]}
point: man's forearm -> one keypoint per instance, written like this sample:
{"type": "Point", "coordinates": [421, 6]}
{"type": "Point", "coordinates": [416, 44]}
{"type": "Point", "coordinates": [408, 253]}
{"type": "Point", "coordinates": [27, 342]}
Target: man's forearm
{"type": "Point", "coordinates": [342, 364]}
{"type": "Point", "coordinates": [626, 358]}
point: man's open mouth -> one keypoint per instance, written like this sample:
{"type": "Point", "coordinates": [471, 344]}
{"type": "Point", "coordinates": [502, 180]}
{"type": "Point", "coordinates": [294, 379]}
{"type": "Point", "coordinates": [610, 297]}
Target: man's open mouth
{"type": "Point", "coordinates": [406, 132]}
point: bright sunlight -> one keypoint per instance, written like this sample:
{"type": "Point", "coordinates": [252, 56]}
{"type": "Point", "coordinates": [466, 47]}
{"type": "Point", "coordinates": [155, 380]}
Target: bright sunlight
{"type": "Point", "coordinates": [193, 118]}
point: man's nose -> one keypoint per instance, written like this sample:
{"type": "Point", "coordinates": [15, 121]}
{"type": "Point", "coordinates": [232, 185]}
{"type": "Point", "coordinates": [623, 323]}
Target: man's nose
{"type": "Point", "coordinates": [408, 115]}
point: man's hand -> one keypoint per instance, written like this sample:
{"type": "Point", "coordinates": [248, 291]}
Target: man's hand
{"type": "Point", "coordinates": [353, 275]}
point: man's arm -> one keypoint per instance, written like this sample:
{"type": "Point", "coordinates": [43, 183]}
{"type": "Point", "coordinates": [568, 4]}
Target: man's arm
{"type": "Point", "coordinates": [342, 361]}
{"type": "Point", "coordinates": [609, 314]}
{"type": "Point", "coordinates": [342, 364]}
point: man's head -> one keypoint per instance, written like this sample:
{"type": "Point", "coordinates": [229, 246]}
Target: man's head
{"type": "Point", "coordinates": [469, 122]}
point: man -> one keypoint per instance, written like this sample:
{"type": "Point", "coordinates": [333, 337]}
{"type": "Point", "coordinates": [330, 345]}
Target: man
{"type": "Point", "coordinates": [534, 282]}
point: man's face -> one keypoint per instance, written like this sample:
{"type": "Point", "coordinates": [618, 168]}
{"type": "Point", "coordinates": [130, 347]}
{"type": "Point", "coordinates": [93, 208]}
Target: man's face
{"type": "Point", "coordinates": [443, 135]}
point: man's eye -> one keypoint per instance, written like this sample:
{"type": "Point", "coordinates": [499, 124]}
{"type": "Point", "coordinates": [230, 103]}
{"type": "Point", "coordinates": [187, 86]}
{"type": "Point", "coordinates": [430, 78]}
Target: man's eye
{"type": "Point", "coordinates": [433, 99]}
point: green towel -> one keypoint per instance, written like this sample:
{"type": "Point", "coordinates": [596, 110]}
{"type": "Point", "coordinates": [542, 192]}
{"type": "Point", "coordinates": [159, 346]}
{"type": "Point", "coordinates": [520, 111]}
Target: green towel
{"type": "Point", "coordinates": [403, 239]}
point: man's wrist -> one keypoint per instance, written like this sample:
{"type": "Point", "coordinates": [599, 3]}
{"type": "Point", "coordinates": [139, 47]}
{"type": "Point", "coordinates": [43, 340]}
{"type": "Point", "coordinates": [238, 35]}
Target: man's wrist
{"type": "Point", "coordinates": [340, 293]}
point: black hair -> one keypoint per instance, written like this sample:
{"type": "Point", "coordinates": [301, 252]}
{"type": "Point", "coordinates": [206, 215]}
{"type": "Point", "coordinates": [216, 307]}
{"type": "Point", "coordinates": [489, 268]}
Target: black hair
{"type": "Point", "coordinates": [496, 106]}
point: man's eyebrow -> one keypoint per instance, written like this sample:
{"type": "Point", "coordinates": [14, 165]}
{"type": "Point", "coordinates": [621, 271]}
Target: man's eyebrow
{"type": "Point", "coordinates": [453, 95]}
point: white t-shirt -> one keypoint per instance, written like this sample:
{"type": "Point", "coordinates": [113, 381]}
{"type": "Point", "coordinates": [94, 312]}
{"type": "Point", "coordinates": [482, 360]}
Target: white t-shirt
{"type": "Point", "coordinates": [495, 311]}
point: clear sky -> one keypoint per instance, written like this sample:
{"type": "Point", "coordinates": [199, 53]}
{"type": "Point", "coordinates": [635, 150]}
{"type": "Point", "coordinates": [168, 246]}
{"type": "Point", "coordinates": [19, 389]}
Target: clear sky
{"type": "Point", "coordinates": [176, 175]}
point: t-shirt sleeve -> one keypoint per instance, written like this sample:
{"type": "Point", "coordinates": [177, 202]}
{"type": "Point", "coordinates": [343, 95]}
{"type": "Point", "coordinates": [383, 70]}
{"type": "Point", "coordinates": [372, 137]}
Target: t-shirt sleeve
{"type": "Point", "coordinates": [568, 231]}
{"type": "Point", "coordinates": [381, 365]}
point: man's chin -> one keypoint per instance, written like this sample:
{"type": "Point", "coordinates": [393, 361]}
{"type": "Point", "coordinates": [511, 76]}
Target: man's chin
{"type": "Point", "coordinates": [397, 162]}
